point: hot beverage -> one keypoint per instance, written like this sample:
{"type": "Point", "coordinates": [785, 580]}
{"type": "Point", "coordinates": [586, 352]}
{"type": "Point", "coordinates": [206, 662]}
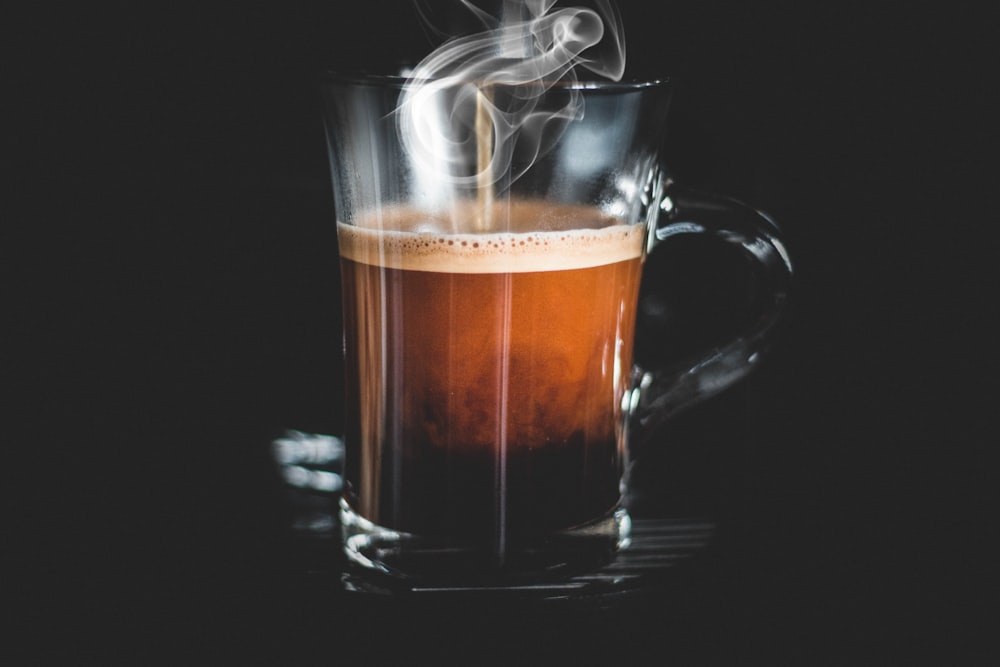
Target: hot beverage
{"type": "Point", "coordinates": [486, 371]}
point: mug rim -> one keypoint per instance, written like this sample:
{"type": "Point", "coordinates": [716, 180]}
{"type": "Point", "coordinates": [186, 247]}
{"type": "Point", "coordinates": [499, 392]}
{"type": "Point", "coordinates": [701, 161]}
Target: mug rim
{"type": "Point", "coordinates": [364, 77]}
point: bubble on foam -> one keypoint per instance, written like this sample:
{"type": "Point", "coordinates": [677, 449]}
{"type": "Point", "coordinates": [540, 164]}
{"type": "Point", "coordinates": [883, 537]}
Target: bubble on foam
{"type": "Point", "coordinates": [404, 243]}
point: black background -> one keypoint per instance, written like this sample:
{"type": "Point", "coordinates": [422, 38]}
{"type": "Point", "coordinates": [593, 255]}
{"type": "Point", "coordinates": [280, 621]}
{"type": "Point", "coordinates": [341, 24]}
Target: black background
{"type": "Point", "coordinates": [173, 307]}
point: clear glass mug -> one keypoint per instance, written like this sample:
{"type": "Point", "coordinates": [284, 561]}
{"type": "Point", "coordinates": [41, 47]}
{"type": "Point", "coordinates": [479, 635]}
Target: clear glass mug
{"type": "Point", "coordinates": [491, 277]}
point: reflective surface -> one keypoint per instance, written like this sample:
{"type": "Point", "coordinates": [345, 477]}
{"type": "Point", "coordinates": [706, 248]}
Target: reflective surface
{"type": "Point", "coordinates": [678, 579]}
{"type": "Point", "coordinates": [655, 545]}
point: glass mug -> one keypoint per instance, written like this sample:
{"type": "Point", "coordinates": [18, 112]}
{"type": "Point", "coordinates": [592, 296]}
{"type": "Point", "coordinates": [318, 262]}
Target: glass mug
{"type": "Point", "coordinates": [491, 280]}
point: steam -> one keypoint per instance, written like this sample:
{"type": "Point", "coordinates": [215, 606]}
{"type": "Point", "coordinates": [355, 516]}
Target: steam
{"type": "Point", "coordinates": [479, 110]}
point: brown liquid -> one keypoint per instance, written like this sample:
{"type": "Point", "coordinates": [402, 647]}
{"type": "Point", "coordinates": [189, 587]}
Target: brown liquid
{"type": "Point", "coordinates": [485, 400]}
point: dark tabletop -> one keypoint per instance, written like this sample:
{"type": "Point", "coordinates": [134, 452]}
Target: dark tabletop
{"type": "Point", "coordinates": [175, 311]}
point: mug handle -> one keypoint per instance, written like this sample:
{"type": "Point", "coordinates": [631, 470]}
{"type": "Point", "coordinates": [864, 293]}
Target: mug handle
{"type": "Point", "coordinates": [677, 211]}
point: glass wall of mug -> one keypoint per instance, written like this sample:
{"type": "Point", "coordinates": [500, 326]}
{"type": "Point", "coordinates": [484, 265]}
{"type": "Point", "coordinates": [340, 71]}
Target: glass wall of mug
{"type": "Point", "coordinates": [492, 243]}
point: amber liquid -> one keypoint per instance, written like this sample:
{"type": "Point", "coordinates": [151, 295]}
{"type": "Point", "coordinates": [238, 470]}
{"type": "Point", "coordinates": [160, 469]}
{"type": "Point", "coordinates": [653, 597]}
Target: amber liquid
{"type": "Point", "coordinates": [485, 403]}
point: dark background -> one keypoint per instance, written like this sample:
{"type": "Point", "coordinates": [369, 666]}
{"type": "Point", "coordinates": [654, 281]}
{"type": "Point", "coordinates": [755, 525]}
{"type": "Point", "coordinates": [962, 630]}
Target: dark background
{"type": "Point", "coordinates": [174, 306]}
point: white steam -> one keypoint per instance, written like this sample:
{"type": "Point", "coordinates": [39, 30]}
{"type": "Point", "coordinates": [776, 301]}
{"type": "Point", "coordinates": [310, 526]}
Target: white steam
{"type": "Point", "coordinates": [480, 109]}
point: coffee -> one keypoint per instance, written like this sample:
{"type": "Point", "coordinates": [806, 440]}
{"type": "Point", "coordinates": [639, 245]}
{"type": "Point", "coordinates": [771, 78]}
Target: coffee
{"type": "Point", "coordinates": [486, 371]}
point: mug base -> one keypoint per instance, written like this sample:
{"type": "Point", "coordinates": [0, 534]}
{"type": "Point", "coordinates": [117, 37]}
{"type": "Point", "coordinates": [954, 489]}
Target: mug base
{"type": "Point", "coordinates": [390, 555]}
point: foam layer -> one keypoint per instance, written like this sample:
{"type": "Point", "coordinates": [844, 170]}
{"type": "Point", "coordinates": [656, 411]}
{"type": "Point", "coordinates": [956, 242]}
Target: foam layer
{"type": "Point", "coordinates": [560, 238]}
